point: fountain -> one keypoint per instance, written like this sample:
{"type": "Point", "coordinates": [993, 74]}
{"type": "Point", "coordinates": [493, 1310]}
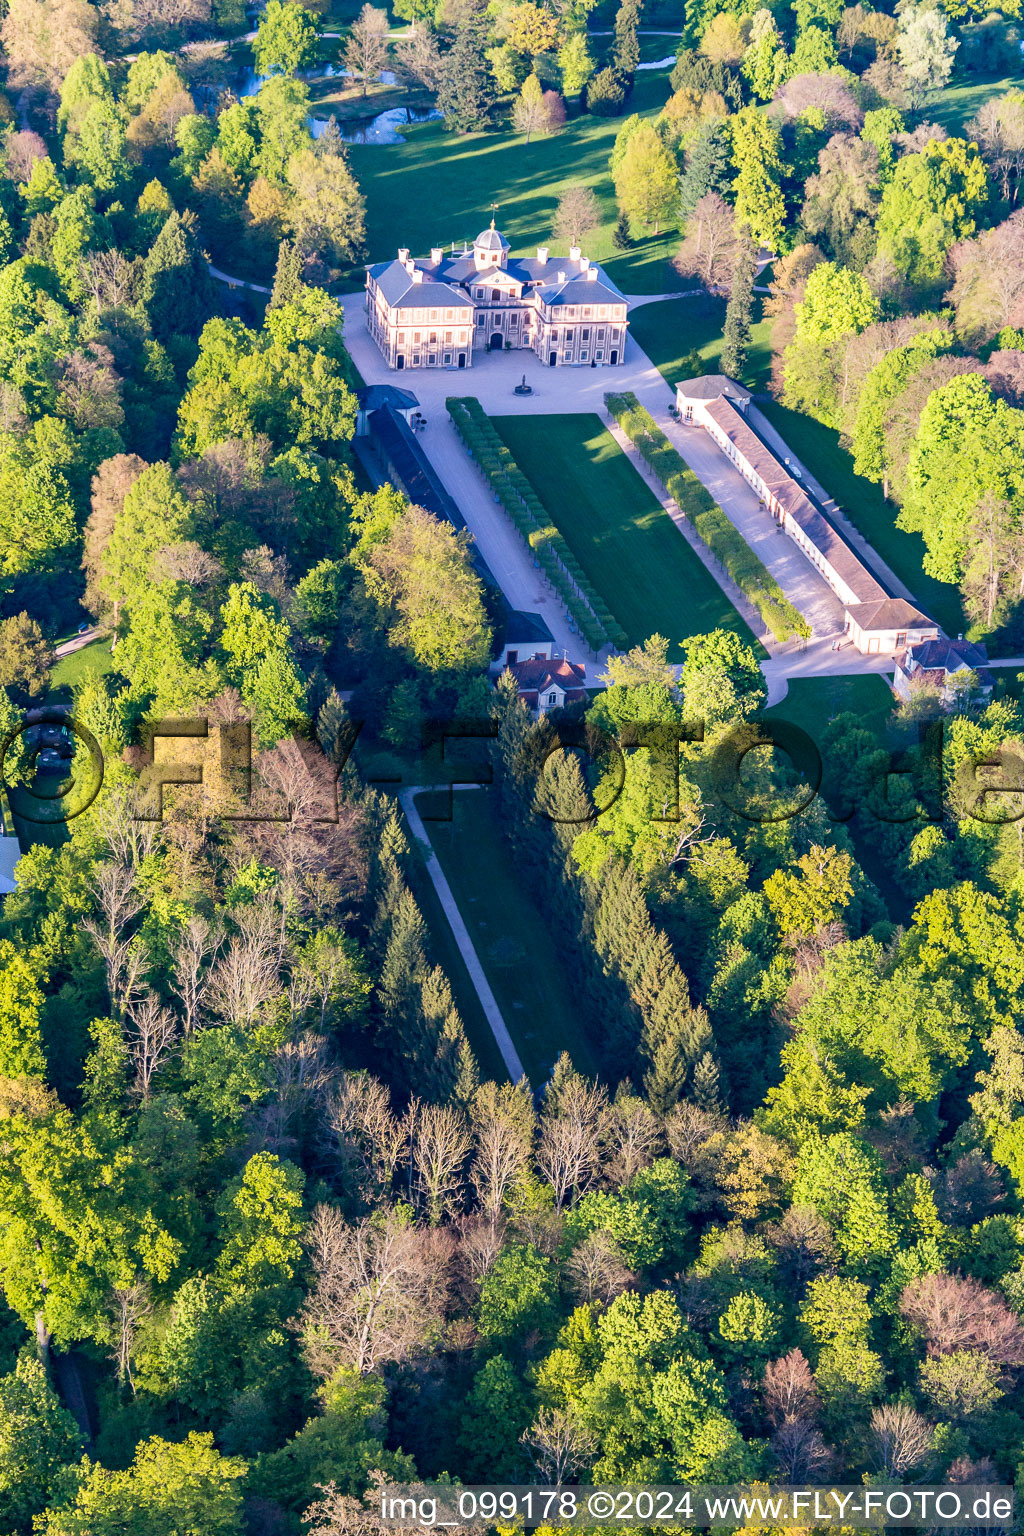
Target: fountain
{"type": "Point", "coordinates": [523, 388]}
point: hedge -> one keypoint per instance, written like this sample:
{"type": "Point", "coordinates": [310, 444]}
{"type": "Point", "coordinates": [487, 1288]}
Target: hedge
{"type": "Point", "coordinates": [526, 512]}
{"type": "Point", "coordinates": [707, 519]}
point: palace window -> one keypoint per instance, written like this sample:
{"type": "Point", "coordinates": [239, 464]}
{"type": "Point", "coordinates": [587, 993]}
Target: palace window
{"type": "Point", "coordinates": [584, 354]}
{"type": "Point", "coordinates": [447, 357]}
{"type": "Point", "coordinates": [586, 335]}
{"type": "Point", "coordinates": [416, 336]}
{"type": "Point", "coordinates": [447, 336]}
{"type": "Point", "coordinates": [433, 314]}
{"type": "Point", "coordinates": [480, 319]}
{"type": "Point", "coordinates": [600, 333]}
{"type": "Point", "coordinates": [478, 293]}
{"type": "Point", "coordinates": [599, 354]}
{"type": "Point", "coordinates": [433, 338]}
{"type": "Point", "coordinates": [495, 295]}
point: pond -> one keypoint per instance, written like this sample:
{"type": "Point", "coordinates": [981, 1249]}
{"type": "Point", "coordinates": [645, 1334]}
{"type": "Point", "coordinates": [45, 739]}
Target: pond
{"type": "Point", "coordinates": [382, 128]}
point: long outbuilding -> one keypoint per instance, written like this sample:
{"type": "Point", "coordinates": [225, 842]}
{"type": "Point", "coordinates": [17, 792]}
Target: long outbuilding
{"type": "Point", "coordinates": [877, 620]}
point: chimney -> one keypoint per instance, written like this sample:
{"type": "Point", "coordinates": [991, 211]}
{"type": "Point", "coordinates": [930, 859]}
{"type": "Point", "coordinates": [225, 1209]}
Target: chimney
{"type": "Point", "coordinates": [415, 273]}
{"type": "Point", "coordinates": [542, 254]}
{"type": "Point", "coordinates": [591, 274]}
{"type": "Point", "coordinates": [584, 263]}
{"type": "Point", "coordinates": [561, 277]}
{"type": "Point", "coordinates": [410, 267]}
{"type": "Point", "coordinates": [403, 254]}
{"type": "Point", "coordinates": [436, 255]}
{"type": "Point", "coordinates": [574, 253]}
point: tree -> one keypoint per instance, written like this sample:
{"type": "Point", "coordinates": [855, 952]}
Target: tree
{"type": "Point", "coordinates": [707, 169]}
{"type": "Point", "coordinates": [756, 146]}
{"type": "Point", "coordinates": [721, 679]}
{"type": "Point", "coordinates": [842, 200]}
{"type": "Point", "coordinates": [836, 301]}
{"type": "Point", "coordinates": [968, 446]}
{"type": "Point", "coordinates": [25, 658]}
{"type": "Point", "coordinates": [529, 113]}
{"type": "Point", "coordinates": [764, 62]}
{"type": "Point", "coordinates": [378, 1290]}
{"type": "Point", "coordinates": [578, 214]}
{"type": "Point", "coordinates": [367, 44]}
{"type": "Point", "coordinates": [175, 280]}
{"type": "Point", "coordinates": [575, 63]}
{"type": "Point", "coordinates": [626, 47]}
{"type": "Point", "coordinates": [645, 181]}
{"type": "Point", "coordinates": [989, 282]}
{"type": "Point", "coordinates": [465, 95]}
{"type": "Point", "coordinates": [886, 381]}
{"type": "Point", "coordinates": [530, 29]}
{"type": "Point", "coordinates": [606, 93]}
{"type": "Point", "coordinates": [42, 40]}
{"type": "Point", "coordinates": [712, 244]}
{"type": "Point", "coordinates": [926, 51]}
{"type": "Point", "coordinates": [286, 39]}
{"type": "Point", "coordinates": [725, 38]}
{"type": "Point", "coordinates": [929, 204]}
{"type": "Point", "coordinates": [38, 1440]}
{"type": "Point", "coordinates": [169, 1487]}
{"type": "Point", "coordinates": [260, 1224]}
{"type": "Point", "coordinates": [327, 211]}
{"type": "Point", "coordinates": [427, 592]}
{"type": "Point", "coordinates": [736, 333]}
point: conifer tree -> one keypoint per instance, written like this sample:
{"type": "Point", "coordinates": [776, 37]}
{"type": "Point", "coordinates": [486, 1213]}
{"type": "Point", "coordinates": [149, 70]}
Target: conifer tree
{"type": "Point", "coordinates": [621, 237]}
{"type": "Point", "coordinates": [175, 280]}
{"type": "Point", "coordinates": [708, 169]}
{"type": "Point", "coordinates": [736, 336]}
{"type": "Point", "coordinates": [706, 1091]}
{"type": "Point", "coordinates": [626, 48]}
{"type": "Point", "coordinates": [288, 274]}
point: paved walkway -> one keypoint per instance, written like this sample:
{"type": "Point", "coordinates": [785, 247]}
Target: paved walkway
{"type": "Point", "coordinates": [78, 642]}
{"type": "Point", "coordinates": [872, 559]}
{"type": "Point", "coordinates": [481, 986]}
{"type": "Point", "coordinates": [745, 609]}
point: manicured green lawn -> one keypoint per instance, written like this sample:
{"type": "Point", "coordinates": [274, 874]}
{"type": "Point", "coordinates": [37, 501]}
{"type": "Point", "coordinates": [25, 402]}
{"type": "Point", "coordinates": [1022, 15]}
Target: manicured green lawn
{"type": "Point", "coordinates": [438, 187]}
{"type": "Point", "coordinates": [90, 662]}
{"type": "Point", "coordinates": [619, 532]}
{"type": "Point", "coordinates": [812, 702]}
{"type": "Point", "coordinates": [445, 952]}
{"type": "Point", "coordinates": [956, 105]}
{"type": "Point", "coordinates": [862, 501]}
{"type": "Point", "coordinates": [671, 329]}
{"type": "Point", "coordinates": [520, 958]}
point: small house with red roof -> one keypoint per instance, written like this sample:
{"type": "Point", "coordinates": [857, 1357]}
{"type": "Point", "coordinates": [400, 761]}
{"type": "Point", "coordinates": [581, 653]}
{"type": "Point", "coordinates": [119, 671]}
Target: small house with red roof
{"type": "Point", "coordinates": [549, 682]}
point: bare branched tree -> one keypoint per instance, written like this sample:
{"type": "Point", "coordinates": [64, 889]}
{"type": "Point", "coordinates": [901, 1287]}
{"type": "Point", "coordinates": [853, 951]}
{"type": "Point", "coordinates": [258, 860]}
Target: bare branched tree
{"type": "Point", "coordinates": [559, 1448]}
{"type": "Point", "coordinates": [152, 1030]}
{"type": "Point", "coordinates": [789, 1390]}
{"type": "Point", "coordinates": [247, 975]}
{"type": "Point", "coordinates": [131, 1304]}
{"type": "Point", "coordinates": [379, 1290]}
{"type": "Point", "coordinates": [901, 1439]}
{"type": "Point", "coordinates": [126, 958]}
{"type": "Point", "coordinates": [503, 1124]}
{"type": "Point", "coordinates": [800, 1452]}
{"type": "Point", "coordinates": [440, 1142]}
{"type": "Point", "coordinates": [956, 1312]}
{"type": "Point", "coordinates": [569, 1154]}
{"type": "Point", "coordinates": [632, 1135]}
{"type": "Point", "coordinates": [191, 953]}
{"type": "Point", "coordinates": [596, 1269]}
{"type": "Point", "coordinates": [370, 1138]}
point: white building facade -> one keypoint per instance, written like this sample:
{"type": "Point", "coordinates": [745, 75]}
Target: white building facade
{"type": "Point", "coordinates": [436, 313]}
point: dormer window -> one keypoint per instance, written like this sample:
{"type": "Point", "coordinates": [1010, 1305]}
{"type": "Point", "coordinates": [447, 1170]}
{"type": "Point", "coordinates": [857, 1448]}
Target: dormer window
{"type": "Point", "coordinates": [495, 295]}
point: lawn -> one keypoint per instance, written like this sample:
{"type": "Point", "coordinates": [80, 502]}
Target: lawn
{"type": "Point", "coordinates": [670, 330]}
{"type": "Point", "coordinates": [812, 702]}
{"type": "Point", "coordinates": [91, 662]}
{"type": "Point", "coordinates": [618, 530]}
{"type": "Point", "coordinates": [515, 946]}
{"type": "Point", "coordinates": [956, 105]}
{"type": "Point", "coordinates": [862, 501]}
{"type": "Point", "coordinates": [445, 952]}
{"type": "Point", "coordinates": [438, 187]}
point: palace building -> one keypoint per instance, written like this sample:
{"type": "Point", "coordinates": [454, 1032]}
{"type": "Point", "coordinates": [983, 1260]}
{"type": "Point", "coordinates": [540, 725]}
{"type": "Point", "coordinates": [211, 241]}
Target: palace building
{"type": "Point", "coordinates": [437, 313]}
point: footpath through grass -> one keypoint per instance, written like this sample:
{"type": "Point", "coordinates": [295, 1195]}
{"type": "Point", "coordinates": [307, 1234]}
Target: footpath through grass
{"type": "Point", "coordinates": [618, 530]}
{"type": "Point", "coordinates": [521, 960]}
{"type": "Point", "coordinates": [670, 330]}
{"type": "Point", "coordinates": [819, 448]}
{"type": "Point", "coordinates": [439, 186]}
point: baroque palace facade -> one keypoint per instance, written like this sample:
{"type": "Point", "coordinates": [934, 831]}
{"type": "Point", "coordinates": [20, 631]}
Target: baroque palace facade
{"type": "Point", "coordinates": [436, 313]}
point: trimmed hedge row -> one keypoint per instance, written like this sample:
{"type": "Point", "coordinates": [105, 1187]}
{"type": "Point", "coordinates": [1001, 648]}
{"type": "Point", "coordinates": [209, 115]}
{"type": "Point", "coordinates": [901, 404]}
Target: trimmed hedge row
{"type": "Point", "coordinates": [591, 615]}
{"type": "Point", "coordinates": [704, 514]}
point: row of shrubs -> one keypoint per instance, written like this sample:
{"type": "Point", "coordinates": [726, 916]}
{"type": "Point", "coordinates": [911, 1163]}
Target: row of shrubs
{"type": "Point", "coordinates": [704, 514]}
{"type": "Point", "coordinates": [592, 617]}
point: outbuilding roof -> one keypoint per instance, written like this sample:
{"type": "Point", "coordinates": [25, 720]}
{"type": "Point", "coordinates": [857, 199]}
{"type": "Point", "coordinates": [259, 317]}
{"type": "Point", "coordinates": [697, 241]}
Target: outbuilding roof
{"type": "Point", "coordinates": [540, 674]}
{"type": "Point", "coordinates": [522, 628]}
{"type": "Point", "coordinates": [403, 291]}
{"type": "Point", "coordinates": [712, 386]}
